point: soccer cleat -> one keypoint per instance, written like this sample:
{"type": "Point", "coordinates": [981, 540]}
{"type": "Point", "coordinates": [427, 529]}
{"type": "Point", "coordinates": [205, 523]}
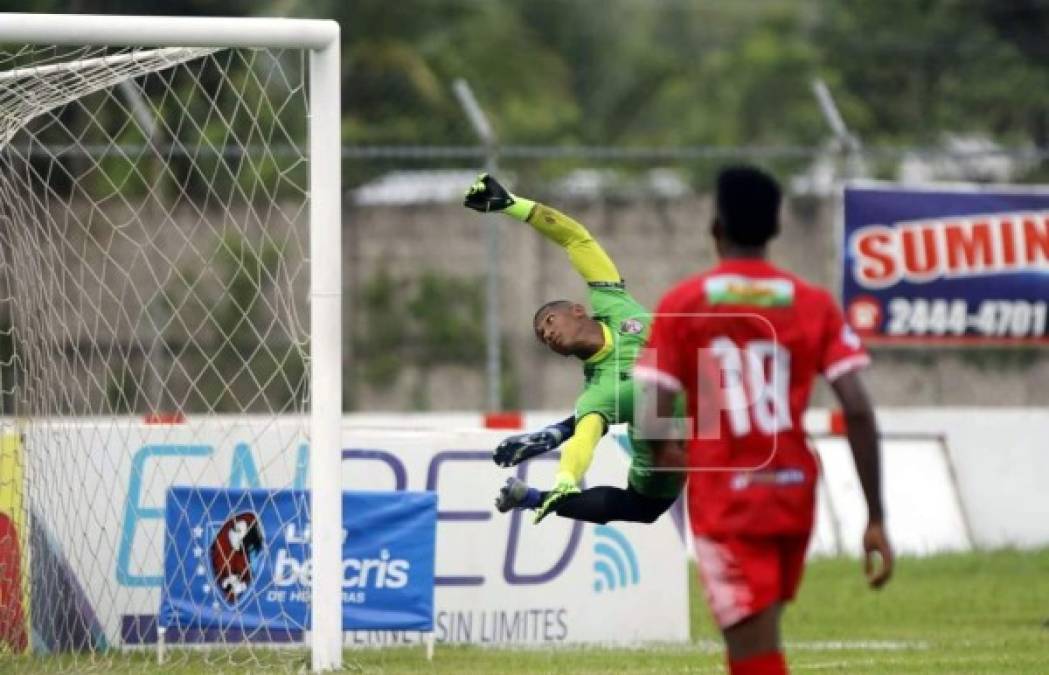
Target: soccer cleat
{"type": "Point", "coordinates": [560, 492]}
{"type": "Point", "coordinates": [513, 495]}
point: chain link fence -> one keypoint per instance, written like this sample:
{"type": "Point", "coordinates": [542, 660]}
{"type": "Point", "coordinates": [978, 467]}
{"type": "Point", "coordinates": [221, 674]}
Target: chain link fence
{"type": "Point", "coordinates": [417, 265]}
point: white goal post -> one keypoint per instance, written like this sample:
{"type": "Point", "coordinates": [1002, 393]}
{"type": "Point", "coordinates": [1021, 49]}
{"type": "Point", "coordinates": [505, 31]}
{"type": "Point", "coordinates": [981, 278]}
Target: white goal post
{"type": "Point", "coordinates": [321, 39]}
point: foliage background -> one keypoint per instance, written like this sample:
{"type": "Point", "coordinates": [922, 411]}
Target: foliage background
{"type": "Point", "coordinates": [616, 88]}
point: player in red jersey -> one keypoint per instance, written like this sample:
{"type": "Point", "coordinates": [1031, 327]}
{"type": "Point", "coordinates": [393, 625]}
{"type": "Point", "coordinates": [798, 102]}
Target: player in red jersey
{"type": "Point", "coordinates": [744, 341]}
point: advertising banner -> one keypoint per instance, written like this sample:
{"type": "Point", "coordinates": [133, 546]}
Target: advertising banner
{"type": "Point", "coordinates": [964, 265]}
{"type": "Point", "coordinates": [239, 559]}
{"type": "Point", "coordinates": [500, 580]}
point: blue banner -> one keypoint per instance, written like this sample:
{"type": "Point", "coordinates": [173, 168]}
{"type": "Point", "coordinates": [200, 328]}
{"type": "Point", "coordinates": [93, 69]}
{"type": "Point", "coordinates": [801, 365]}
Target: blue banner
{"type": "Point", "coordinates": [238, 561]}
{"type": "Point", "coordinates": [947, 265]}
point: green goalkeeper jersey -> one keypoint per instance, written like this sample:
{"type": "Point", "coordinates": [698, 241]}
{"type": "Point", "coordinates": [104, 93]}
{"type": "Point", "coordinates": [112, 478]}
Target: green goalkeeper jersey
{"type": "Point", "coordinates": [608, 389]}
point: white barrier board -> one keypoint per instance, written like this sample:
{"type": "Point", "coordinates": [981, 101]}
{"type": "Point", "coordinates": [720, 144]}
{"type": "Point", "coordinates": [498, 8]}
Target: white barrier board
{"type": "Point", "coordinates": [500, 580]}
{"type": "Point", "coordinates": [921, 502]}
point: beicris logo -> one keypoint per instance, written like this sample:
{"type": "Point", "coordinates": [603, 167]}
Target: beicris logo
{"type": "Point", "coordinates": [234, 553]}
{"type": "Point", "coordinates": [382, 572]}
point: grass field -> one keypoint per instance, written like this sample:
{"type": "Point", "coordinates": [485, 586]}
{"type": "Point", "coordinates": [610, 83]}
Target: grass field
{"type": "Point", "coordinates": [972, 613]}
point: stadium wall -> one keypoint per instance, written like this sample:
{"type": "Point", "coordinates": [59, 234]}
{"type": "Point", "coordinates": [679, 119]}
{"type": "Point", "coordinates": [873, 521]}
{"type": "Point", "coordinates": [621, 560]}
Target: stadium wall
{"type": "Point", "coordinates": [654, 242]}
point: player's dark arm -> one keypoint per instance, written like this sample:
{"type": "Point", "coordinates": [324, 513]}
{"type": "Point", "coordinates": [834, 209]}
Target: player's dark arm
{"type": "Point", "coordinates": [519, 447]}
{"type": "Point", "coordinates": [862, 432]}
{"type": "Point", "coordinates": [586, 255]}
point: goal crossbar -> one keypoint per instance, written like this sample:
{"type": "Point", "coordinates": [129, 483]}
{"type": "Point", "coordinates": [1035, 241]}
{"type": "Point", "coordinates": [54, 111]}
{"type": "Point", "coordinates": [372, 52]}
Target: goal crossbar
{"type": "Point", "coordinates": [167, 31]}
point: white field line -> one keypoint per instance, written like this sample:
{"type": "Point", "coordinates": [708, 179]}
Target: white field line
{"type": "Point", "coordinates": [973, 663]}
{"type": "Point", "coordinates": [712, 646]}
{"type": "Point", "coordinates": [837, 666]}
{"type": "Point", "coordinates": [856, 645]}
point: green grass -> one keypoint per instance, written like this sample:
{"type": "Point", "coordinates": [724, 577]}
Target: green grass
{"type": "Point", "coordinates": [972, 613]}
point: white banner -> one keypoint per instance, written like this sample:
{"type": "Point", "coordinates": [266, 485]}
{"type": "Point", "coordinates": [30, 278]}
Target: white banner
{"type": "Point", "coordinates": [500, 579]}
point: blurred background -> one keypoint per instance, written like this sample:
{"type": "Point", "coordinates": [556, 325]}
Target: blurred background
{"type": "Point", "coordinates": [620, 112]}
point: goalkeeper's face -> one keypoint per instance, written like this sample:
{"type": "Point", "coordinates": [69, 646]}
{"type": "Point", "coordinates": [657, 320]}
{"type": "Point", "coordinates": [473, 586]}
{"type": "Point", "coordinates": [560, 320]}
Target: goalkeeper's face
{"type": "Point", "coordinates": [562, 327]}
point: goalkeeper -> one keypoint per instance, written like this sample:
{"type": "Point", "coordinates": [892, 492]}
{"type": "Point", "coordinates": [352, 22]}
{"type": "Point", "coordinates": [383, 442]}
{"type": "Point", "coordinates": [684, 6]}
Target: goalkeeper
{"type": "Point", "coordinates": [607, 342]}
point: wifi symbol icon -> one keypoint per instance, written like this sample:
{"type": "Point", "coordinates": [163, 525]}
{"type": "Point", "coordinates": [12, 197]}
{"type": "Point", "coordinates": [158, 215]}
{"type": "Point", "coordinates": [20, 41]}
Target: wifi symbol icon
{"type": "Point", "coordinates": [615, 562]}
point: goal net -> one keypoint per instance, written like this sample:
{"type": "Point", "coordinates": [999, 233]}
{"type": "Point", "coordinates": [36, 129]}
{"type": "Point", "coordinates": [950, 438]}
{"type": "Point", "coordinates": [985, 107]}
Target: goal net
{"type": "Point", "coordinates": [155, 280]}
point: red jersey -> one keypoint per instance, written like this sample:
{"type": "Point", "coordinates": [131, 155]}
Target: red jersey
{"type": "Point", "coordinates": [744, 342]}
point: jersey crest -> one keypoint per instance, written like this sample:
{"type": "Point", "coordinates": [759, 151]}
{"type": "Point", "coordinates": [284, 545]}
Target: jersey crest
{"type": "Point", "coordinates": [631, 327]}
{"type": "Point", "coordinates": [734, 289]}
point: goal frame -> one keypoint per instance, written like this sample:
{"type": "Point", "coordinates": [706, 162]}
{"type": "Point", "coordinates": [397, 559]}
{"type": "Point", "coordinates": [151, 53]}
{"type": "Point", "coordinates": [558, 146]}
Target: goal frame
{"type": "Point", "coordinates": [321, 38]}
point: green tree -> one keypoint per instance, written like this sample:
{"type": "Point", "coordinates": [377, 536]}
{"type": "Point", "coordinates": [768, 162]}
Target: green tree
{"type": "Point", "coordinates": [913, 70]}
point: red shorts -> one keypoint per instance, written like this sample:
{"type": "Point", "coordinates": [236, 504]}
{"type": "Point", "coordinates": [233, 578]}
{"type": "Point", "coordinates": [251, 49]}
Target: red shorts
{"type": "Point", "coordinates": [743, 575]}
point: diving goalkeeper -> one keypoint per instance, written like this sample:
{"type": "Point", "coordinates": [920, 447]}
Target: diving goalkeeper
{"type": "Point", "coordinates": [607, 342]}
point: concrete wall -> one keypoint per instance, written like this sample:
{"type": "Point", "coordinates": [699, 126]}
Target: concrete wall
{"type": "Point", "coordinates": [105, 268]}
{"type": "Point", "coordinates": [654, 243]}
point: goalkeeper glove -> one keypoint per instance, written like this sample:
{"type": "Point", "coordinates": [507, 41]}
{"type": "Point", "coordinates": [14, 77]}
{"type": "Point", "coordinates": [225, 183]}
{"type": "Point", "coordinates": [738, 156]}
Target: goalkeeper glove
{"type": "Point", "coordinates": [516, 449]}
{"type": "Point", "coordinates": [563, 489]}
{"type": "Point", "coordinates": [486, 194]}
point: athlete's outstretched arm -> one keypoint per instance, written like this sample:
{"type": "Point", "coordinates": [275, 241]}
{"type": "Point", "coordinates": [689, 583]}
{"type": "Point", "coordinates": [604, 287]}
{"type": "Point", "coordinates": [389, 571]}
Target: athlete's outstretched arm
{"type": "Point", "coordinates": [862, 431]}
{"type": "Point", "coordinates": [578, 452]}
{"type": "Point", "coordinates": [586, 255]}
